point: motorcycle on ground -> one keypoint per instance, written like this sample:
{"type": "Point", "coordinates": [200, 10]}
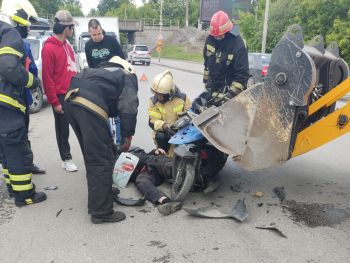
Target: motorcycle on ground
{"type": "Point", "coordinates": [195, 160]}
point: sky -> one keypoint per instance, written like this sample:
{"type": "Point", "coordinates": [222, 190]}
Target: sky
{"type": "Point", "coordinates": [89, 4]}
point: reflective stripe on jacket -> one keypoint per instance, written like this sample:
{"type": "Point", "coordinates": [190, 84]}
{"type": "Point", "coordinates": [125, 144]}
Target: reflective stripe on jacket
{"type": "Point", "coordinates": [14, 78]}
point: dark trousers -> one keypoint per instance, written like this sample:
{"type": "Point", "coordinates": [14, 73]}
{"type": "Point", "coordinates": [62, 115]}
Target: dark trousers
{"type": "Point", "coordinates": [211, 167]}
{"type": "Point", "coordinates": [96, 145]}
{"type": "Point", "coordinates": [29, 151]}
{"type": "Point", "coordinates": [162, 140]}
{"type": "Point", "coordinates": [15, 162]}
{"type": "Point", "coordinates": [62, 132]}
{"type": "Point", "coordinates": [158, 170]}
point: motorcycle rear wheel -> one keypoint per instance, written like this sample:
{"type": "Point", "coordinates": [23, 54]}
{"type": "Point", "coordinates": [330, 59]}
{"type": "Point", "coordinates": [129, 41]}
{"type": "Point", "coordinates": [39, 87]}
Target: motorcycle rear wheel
{"type": "Point", "coordinates": [183, 179]}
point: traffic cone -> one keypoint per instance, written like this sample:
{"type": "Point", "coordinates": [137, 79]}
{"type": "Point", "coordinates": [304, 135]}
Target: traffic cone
{"type": "Point", "coordinates": [143, 77]}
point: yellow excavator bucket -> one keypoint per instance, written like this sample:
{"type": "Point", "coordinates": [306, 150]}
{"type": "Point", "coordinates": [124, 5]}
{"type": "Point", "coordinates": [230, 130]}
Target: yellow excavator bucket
{"type": "Point", "coordinates": [259, 127]}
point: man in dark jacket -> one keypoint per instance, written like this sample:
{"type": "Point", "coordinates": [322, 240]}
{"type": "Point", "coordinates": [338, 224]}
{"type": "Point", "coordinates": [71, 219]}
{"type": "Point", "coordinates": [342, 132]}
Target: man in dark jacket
{"type": "Point", "coordinates": [226, 68]}
{"type": "Point", "coordinates": [94, 96]}
{"type": "Point", "coordinates": [14, 80]}
{"type": "Point", "coordinates": [226, 72]}
{"type": "Point", "coordinates": [101, 47]}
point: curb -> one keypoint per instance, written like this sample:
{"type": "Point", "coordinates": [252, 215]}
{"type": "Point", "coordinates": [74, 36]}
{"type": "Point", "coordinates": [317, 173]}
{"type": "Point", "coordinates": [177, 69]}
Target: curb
{"type": "Point", "coordinates": [178, 68]}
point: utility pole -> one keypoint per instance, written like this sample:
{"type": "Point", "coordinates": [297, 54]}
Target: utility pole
{"type": "Point", "coordinates": [200, 15]}
{"type": "Point", "coordinates": [160, 37]}
{"type": "Point", "coordinates": [263, 45]}
{"type": "Point", "coordinates": [186, 13]}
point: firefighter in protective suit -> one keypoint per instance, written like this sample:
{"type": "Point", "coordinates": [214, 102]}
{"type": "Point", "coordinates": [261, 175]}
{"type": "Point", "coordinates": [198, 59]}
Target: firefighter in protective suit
{"type": "Point", "coordinates": [226, 67]}
{"type": "Point", "coordinates": [165, 107]}
{"type": "Point", "coordinates": [95, 95]}
{"type": "Point", "coordinates": [15, 15]}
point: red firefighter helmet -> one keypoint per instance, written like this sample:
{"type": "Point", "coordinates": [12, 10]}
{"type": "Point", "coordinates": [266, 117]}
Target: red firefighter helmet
{"type": "Point", "coordinates": [220, 23]}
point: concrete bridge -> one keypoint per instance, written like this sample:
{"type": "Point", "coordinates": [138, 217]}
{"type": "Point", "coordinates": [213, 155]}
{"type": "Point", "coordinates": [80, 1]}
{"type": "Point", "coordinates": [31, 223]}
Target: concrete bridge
{"type": "Point", "coordinates": [146, 31]}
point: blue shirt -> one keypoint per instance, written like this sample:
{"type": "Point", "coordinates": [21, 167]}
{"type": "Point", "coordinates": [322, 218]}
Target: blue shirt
{"type": "Point", "coordinates": [32, 69]}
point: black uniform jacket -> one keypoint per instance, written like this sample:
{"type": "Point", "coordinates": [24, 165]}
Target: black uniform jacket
{"type": "Point", "coordinates": [13, 76]}
{"type": "Point", "coordinates": [225, 61]}
{"type": "Point", "coordinates": [112, 89]}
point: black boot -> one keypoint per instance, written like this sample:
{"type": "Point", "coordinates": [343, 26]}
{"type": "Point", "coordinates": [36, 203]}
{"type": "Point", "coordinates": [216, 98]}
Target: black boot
{"type": "Point", "coordinates": [36, 198]}
{"type": "Point", "coordinates": [34, 169]}
{"type": "Point", "coordinates": [169, 208]}
{"type": "Point", "coordinates": [111, 218]}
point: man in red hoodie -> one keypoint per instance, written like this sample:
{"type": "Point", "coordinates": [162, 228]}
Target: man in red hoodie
{"type": "Point", "coordinates": [58, 67]}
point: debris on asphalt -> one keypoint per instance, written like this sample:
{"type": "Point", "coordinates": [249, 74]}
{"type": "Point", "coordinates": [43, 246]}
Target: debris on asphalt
{"type": "Point", "coordinates": [260, 204]}
{"type": "Point", "coordinates": [236, 188]}
{"type": "Point", "coordinates": [59, 212]}
{"type": "Point", "coordinates": [239, 212]}
{"type": "Point", "coordinates": [145, 210]}
{"type": "Point", "coordinates": [272, 228]}
{"type": "Point", "coordinates": [258, 194]}
{"type": "Point", "coordinates": [280, 193]}
{"type": "Point", "coordinates": [128, 202]}
{"type": "Point", "coordinates": [51, 187]}
{"type": "Point", "coordinates": [315, 214]}
{"type": "Point", "coordinates": [158, 244]}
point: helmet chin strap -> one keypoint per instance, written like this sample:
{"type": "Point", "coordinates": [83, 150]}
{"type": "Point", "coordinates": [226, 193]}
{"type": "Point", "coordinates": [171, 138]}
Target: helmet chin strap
{"type": "Point", "coordinates": [23, 31]}
{"type": "Point", "coordinates": [166, 98]}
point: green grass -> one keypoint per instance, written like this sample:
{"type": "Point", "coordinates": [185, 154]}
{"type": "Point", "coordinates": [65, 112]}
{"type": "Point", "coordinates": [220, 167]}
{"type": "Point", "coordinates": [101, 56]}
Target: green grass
{"type": "Point", "coordinates": [178, 52]}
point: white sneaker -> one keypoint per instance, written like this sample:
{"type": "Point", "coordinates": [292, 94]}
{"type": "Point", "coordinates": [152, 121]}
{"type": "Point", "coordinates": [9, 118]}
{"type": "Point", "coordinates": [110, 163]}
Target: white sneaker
{"type": "Point", "coordinates": [69, 166]}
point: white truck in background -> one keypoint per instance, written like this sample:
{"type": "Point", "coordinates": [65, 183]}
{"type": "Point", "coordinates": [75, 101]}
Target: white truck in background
{"type": "Point", "coordinates": [81, 34]}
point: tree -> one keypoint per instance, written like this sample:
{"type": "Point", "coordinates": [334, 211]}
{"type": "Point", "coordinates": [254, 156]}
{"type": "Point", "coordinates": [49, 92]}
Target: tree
{"type": "Point", "coordinates": [45, 7]}
{"type": "Point", "coordinates": [73, 6]}
{"type": "Point", "coordinates": [316, 17]}
{"type": "Point", "coordinates": [106, 5]}
{"type": "Point", "coordinates": [125, 10]}
{"type": "Point", "coordinates": [341, 34]}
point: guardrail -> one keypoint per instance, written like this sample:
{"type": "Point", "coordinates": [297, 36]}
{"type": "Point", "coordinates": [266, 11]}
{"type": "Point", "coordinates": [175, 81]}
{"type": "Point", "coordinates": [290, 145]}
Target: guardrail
{"type": "Point", "coordinates": [133, 24]}
{"type": "Point", "coordinates": [156, 23]}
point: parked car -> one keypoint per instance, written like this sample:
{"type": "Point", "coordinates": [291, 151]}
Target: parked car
{"type": "Point", "coordinates": [139, 53]}
{"type": "Point", "coordinates": [36, 42]}
{"type": "Point", "coordinates": [258, 65]}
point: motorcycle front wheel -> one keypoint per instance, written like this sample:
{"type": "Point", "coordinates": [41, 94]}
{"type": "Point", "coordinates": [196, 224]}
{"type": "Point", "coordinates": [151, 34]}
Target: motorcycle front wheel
{"type": "Point", "coordinates": [184, 174]}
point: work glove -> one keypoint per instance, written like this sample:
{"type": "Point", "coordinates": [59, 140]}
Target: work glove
{"type": "Point", "coordinates": [168, 129]}
{"type": "Point", "coordinates": [231, 94]}
{"type": "Point", "coordinates": [181, 122]}
{"type": "Point", "coordinates": [125, 144]}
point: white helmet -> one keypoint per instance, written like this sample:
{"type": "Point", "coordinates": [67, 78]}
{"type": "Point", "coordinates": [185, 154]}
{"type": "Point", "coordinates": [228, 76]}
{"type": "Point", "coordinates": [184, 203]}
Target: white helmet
{"type": "Point", "coordinates": [163, 83]}
{"type": "Point", "coordinates": [19, 12]}
{"type": "Point", "coordinates": [123, 63]}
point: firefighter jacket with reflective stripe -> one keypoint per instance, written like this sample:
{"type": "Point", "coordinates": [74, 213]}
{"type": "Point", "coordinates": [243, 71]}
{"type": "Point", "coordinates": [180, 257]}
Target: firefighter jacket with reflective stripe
{"type": "Point", "coordinates": [13, 76]}
{"type": "Point", "coordinates": [169, 111]}
{"type": "Point", "coordinates": [114, 90]}
{"type": "Point", "coordinates": [225, 62]}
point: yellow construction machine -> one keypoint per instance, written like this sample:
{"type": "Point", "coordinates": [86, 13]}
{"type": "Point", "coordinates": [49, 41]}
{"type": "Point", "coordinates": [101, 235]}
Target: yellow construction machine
{"type": "Point", "coordinates": [291, 113]}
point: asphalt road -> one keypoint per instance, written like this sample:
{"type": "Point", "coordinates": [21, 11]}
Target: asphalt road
{"type": "Point", "coordinates": [314, 217]}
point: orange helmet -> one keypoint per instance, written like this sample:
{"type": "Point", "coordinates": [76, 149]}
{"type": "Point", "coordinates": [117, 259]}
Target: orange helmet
{"type": "Point", "coordinates": [220, 23]}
